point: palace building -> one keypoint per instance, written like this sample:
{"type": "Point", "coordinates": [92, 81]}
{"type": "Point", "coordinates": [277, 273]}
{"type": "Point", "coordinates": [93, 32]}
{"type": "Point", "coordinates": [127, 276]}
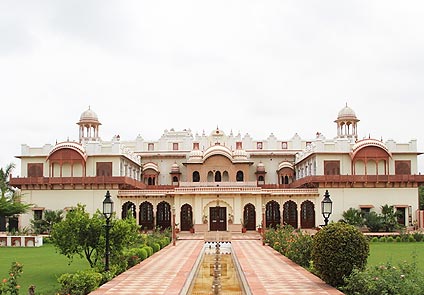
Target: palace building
{"type": "Point", "coordinates": [217, 181]}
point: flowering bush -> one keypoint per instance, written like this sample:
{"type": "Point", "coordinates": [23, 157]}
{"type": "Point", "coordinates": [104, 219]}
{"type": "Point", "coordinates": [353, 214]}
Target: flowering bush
{"type": "Point", "coordinates": [294, 244]}
{"type": "Point", "coordinates": [10, 285]}
{"type": "Point", "coordinates": [404, 279]}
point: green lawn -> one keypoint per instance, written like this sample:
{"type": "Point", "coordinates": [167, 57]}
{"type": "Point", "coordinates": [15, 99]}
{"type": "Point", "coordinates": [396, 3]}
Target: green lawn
{"type": "Point", "coordinates": [396, 252]}
{"type": "Point", "coordinates": [41, 267]}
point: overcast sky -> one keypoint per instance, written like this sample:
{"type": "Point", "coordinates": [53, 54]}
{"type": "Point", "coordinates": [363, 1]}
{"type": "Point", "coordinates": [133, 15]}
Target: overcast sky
{"type": "Point", "coordinates": [256, 67]}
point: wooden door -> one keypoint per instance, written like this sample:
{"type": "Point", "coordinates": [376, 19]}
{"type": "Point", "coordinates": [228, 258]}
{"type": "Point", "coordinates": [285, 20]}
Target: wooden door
{"type": "Point", "coordinates": [308, 215]}
{"type": "Point", "coordinates": [273, 217]}
{"type": "Point", "coordinates": [218, 218]}
{"type": "Point", "coordinates": [290, 213]}
{"type": "Point", "coordinates": [249, 217]}
{"type": "Point", "coordinates": [186, 217]}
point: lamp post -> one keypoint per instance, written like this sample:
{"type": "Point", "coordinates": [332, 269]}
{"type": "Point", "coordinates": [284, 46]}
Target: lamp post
{"type": "Point", "coordinates": [174, 235]}
{"type": "Point", "coordinates": [263, 225]}
{"type": "Point", "coordinates": [326, 207]}
{"type": "Point", "coordinates": [107, 212]}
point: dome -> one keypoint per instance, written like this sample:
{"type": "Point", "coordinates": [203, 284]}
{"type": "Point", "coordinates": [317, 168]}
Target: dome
{"type": "Point", "coordinates": [175, 168]}
{"type": "Point", "coordinates": [195, 155]}
{"type": "Point", "coordinates": [260, 167]}
{"type": "Point", "coordinates": [89, 116]}
{"type": "Point", "coordinates": [346, 113]}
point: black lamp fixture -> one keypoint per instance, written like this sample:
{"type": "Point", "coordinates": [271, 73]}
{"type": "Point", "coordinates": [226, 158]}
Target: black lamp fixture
{"type": "Point", "coordinates": [107, 212]}
{"type": "Point", "coordinates": [326, 207]}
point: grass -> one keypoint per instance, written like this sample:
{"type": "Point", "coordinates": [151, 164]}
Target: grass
{"type": "Point", "coordinates": [395, 253]}
{"type": "Point", "coordinates": [41, 267]}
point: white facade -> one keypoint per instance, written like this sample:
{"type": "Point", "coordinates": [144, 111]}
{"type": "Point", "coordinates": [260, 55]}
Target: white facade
{"type": "Point", "coordinates": [218, 181]}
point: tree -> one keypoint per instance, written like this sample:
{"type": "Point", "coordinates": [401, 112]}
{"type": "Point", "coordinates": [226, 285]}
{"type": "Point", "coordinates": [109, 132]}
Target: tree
{"type": "Point", "coordinates": [353, 217]}
{"type": "Point", "coordinates": [45, 224]}
{"type": "Point", "coordinates": [389, 218]}
{"type": "Point", "coordinates": [10, 200]}
{"type": "Point", "coordinates": [80, 234]}
{"type": "Point", "coordinates": [421, 194]}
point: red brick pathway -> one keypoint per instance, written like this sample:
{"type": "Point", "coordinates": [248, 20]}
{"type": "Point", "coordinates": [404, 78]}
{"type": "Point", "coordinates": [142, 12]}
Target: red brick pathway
{"type": "Point", "coordinates": [269, 272]}
{"type": "Point", "coordinates": [266, 271]}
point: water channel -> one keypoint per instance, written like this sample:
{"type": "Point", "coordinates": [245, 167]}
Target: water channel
{"type": "Point", "coordinates": [216, 271]}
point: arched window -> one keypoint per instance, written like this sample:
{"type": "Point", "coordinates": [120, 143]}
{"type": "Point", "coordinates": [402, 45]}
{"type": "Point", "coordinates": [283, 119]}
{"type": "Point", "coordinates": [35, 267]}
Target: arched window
{"type": "Point", "coordinates": [196, 176]}
{"type": "Point", "coordinates": [146, 215]}
{"type": "Point", "coordinates": [273, 217]}
{"type": "Point", "coordinates": [128, 209]}
{"type": "Point", "coordinates": [290, 213]}
{"type": "Point", "coordinates": [210, 176]}
{"type": "Point", "coordinates": [151, 181]}
{"type": "Point", "coordinates": [225, 176]}
{"type": "Point", "coordinates": [240, 176]}
{"type": "Point", "coordinates": [218, 176]}
{"type": "Point", "coordinates": [286, 179]}
{"type": "Point", "coordinates": [163, 215]}
{"type": "Point", "coordinates": [175, 179]}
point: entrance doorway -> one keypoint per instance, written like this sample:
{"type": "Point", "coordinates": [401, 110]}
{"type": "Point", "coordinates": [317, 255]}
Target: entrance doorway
{"type": "Point", "coordinates": [249, 217]}
{"type": "Point", "coordinates": [273, 217]}
{"type": "Point", "coordinates": [218, 218]}
{"type": "Point", "coordinates": [186, 217]}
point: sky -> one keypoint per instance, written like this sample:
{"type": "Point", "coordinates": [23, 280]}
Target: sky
{"type": "Point", "coordinates": [256, 67]}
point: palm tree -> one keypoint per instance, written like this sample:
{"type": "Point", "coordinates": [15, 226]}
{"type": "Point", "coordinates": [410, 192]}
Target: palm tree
{"type": "Point", "coordinates": [4, 179]}
{"type": "Point", "coordinates": [10, 200]}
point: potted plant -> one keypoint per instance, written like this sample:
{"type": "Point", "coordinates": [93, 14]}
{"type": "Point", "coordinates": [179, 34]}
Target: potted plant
{"type": "Point", "coordinates": [230, 218]}
{"type": "Point", "coordinates": [260, 228]}
{"type": "Point", "coordinates": [192, 227]}
{"type": "Point", "coordinates": [243, 226]}
{"type": "Point", "coordinates": [205, 219]}
{"type": "Point", "coordinates": [177, 229]}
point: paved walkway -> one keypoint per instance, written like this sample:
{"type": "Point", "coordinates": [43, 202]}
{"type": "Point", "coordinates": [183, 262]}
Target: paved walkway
{"type": "Point", "coordinates": [266, 271]}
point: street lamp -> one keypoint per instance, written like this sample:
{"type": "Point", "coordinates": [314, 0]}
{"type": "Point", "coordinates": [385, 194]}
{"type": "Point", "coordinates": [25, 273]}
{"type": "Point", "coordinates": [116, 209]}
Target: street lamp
{"type": "Point", "coordinates": [263, 224]}
{"type": "Point", "coordinates": [107, 212]}
{"type": "Point", "coordinates": [326, 207]}
{"type": "Point", "coordinates": [174, 235]}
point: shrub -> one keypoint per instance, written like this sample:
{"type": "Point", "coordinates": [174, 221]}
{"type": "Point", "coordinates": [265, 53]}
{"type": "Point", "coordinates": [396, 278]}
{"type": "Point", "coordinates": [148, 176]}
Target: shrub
{"type": "Point", "coordinates": [411, 238]}
{"type": "Point", "coordinates": [155, 247]}
{"type": "Point", "coordinates": [10, 285]}
{"type": "Point", "coordinates": [337, 249]}
{"type": "Point", "coordinates": [383, 239]}
{"type": "Point", "coordinates": [385, 279]}
{"type": "Point", "coordinates": [374, 239]}
{"type": "Point", "coordinates": [299, 248]}
{"type": "Point", "coordinates": [142, 253]}
{"type": "Point", "coordinates": [418, 236]}
{"type": "Point", "coordinates": [373, 222]}
{"type": "Point", "coordinates": [149, 250]}
{"type": "Point", "coordinates": [398, 239]}
{"type": "Point", "coordinates": [79, 283]}
{"type": "Point", "coordinates": [353, 217]}
{"type": "Point", "coordinates": [390, 240]}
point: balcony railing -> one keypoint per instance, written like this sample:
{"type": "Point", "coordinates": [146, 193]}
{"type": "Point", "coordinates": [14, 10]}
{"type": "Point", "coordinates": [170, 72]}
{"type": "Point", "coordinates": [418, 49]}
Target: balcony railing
{"type": "Point", "coordinates": [358, 179]}
{"type": "Point", "coordinates": [94, 180]}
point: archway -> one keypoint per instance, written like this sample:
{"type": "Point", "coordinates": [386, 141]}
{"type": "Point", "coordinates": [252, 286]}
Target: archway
{"type": "Point", "coordinates": [249, 217]}
{"type": "Point", "coordinates": [307, 219]}
{"type": "Point", "coordinates": [146, 216]}
{"type": "Point", "coordinates": [273, 216]}
{"type": "Point", "coordinates": [128, 209]}
{"type": "Point", "coordinates": [290, 213]}
{"type": "Point", "coordinates": [163, 215]}
{"type": "Point", "coordinates": [186, 217]}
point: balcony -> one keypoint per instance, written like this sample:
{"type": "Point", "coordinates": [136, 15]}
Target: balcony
{"type": "Point", "coordinates": [117, 182]}
{"type": "Point", "coordinates": [359, 181]}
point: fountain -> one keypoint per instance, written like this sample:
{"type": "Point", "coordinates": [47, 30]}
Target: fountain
{"type": "Point", "coordinates": [216, 271]}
